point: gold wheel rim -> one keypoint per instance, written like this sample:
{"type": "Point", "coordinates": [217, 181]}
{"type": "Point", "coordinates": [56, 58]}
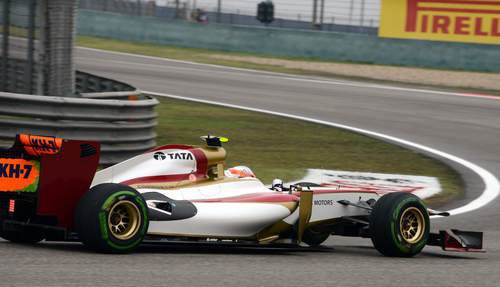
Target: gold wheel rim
{"type": "Point", "coordinates": [412, 225]}
{"type": "Point", "coordinates": [124, 220]}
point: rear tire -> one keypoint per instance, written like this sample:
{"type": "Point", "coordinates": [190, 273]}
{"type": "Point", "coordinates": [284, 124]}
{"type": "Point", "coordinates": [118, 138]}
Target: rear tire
{"type": "Point", "coordinates": [111, 218]}
{"type": "Point", "coordinates": [399, 225]}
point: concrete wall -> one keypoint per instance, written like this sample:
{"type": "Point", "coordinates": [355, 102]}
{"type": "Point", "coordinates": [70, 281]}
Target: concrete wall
{"type": "Point", "coordinates": [295, 43]}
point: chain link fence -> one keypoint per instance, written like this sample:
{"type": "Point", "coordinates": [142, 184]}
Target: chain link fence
{"type": "Point", "coordinates": [20, 29]}
{"type": "Point", "coordinates": [37, 44]}
{"type": "Point", "coordinates": [354, 16]}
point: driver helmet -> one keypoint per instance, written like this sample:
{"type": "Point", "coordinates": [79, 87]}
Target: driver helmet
{"type": "Point", "coordinates": [239, 172]}
{"type": "Point", "coordinates": [277, 184]}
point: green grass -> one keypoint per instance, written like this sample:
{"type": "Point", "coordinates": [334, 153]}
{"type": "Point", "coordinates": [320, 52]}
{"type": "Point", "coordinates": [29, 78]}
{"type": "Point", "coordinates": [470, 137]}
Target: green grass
{"type": "Point", "coordinates": [206, 56]}
{"type": "Point", "coordinates": [280, 147]}
{"type": "Point", "coordinates": [20, 31]}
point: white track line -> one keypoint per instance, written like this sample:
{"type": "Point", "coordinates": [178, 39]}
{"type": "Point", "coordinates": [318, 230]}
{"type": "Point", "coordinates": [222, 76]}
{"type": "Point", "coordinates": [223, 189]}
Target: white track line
{"type": "Point", "coordinates": [289, 77]}
{"type": "Point", "coordinates": [492, 185]}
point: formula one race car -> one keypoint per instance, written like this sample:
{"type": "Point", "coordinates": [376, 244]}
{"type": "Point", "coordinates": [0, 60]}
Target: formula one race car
{"type": "Point", "coordinates": [49, 189]}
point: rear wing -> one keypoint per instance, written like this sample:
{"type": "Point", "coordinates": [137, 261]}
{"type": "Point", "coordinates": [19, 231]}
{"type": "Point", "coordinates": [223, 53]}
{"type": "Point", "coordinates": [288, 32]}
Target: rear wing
{"type": "Point", "coordinates": [54, 171]}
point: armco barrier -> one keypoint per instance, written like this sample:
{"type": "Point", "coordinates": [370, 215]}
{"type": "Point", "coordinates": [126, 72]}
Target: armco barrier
{"type": "Point", "coordinates": [297, 43]}
{"type": "Point", "coordinates": [124, 122]}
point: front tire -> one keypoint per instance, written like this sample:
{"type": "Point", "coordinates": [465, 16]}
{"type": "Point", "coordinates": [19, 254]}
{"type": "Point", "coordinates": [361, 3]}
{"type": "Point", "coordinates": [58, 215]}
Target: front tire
{"type": "Point", "coordinates": [111, 218]}
{"type": "Point", "coordinates": [399, 225]}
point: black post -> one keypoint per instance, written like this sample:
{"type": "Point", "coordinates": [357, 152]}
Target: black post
{"type": "Point", "coordinates": [177, 10]}
{"type": "Point", "coordinates": [322, 15]}
{"type": "Point", "coordinates": [219, 8]}
{"type": "Point", "coordinates": [315, 13]}
{"type": "Point", "coordinates": [351, 11]}
{"type": "Point", "coordinates": [362, 16]}
{"type": "Point", "coordinates": [31, 47]}
{"type": "Point", "coordinates": [5, 48]}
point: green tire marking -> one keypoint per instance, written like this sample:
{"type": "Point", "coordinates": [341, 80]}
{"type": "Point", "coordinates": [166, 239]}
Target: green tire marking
{"type": "Point", "coordinates": [402, 247]}
{"type": "Point", "coordinates": [108, 201]}
{"type": "Point", "coordinates": [103, 220]}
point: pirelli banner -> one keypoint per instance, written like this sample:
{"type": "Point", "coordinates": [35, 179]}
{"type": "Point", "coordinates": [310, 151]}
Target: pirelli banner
{"type": "Point", "coordinates": [470, 21]}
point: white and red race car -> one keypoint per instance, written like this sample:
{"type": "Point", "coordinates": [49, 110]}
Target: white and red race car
{"type": "Point", "coordinates": [49, 190]}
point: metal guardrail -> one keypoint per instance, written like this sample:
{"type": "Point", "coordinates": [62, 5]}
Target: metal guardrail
{"type": "Point", "coordinates": [36, 58]}
{"type": "Point", "coordinates": [123, 122]}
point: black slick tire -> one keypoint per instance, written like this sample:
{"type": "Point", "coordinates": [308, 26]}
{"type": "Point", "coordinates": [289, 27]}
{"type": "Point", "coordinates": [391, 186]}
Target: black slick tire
{"type": "Point", "coordinates": [391, 227]}
{"type": "Point", "coordinates": [111, 218]}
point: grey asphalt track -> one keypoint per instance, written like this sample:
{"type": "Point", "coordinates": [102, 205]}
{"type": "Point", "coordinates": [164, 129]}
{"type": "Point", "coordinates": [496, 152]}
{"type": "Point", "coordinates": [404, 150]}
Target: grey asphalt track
{"type": "Point", "coordinates": [463, 126]}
